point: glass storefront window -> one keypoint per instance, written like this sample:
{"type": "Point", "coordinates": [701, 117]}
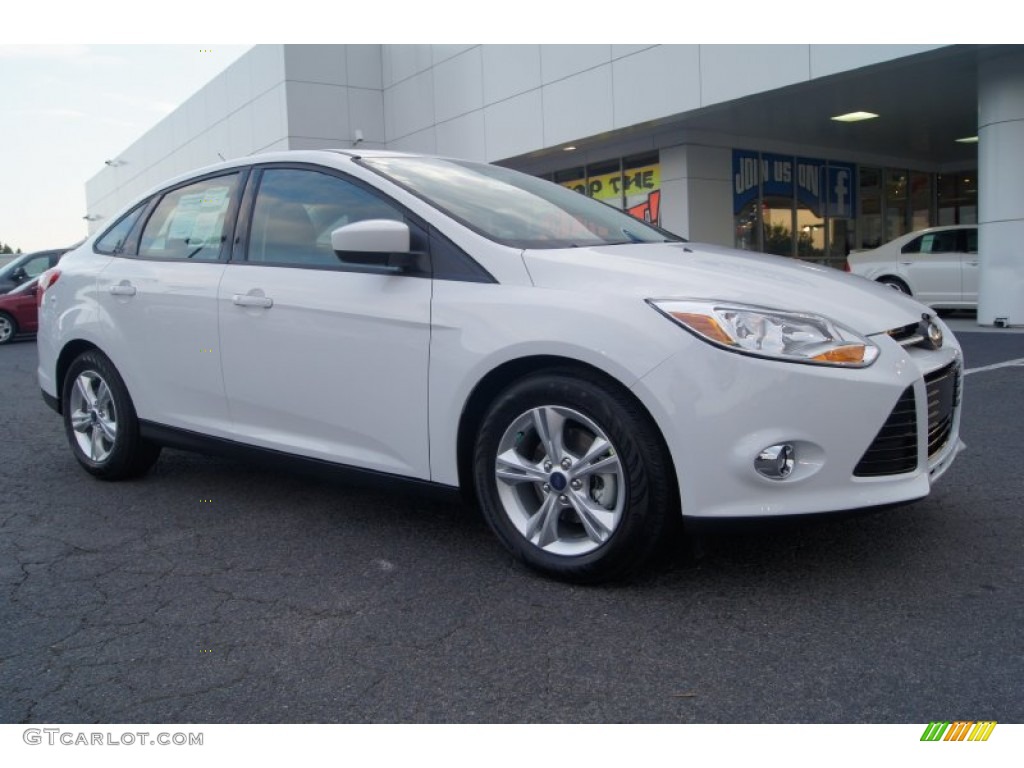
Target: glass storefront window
{"type": "Point", "coordinates": [957, 198]}
{"type": "Point", "coordinates": [604, 182]}
{"type": "Point", "coordinates": [945, 195]}
{"type": "Point", "coordinates": [840, 240]}
{"type": "Point", "coordinates": [641, 186]}
{"type": "Point", "coordinates": [632, 184]}
{"type": "Point", "coordinates": [573, 178]}
{"type": "Point", "coordinates": [920, 200]}
{"type": "Point", "coordinates": [794, 206]}
{"type": "Point", "coordinates": [777, 212]}
{"type": "Point", "coordinates": [810, 214]}
{"type": "Point", "coordinates": [870, 220]}
{"type": "Point", "coordinates": [968, 184]}
{"type": "Point", "coordinates": [897, 183]}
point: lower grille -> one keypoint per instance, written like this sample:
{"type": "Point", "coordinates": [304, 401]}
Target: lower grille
{"type": "Point", "coordinates": [943, 388]}
{"type": "Point", "coordinates": [894, 449]}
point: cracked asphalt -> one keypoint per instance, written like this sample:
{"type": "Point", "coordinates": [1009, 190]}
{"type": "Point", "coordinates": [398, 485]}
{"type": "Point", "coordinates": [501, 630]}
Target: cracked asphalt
{"type": "Point", "coordinates": [212, 591]}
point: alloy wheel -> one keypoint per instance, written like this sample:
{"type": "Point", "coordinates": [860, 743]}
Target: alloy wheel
{"type": "Point", "coordinates": [560, 480]}
{"type": "Point", "coordinates": [93, 416]}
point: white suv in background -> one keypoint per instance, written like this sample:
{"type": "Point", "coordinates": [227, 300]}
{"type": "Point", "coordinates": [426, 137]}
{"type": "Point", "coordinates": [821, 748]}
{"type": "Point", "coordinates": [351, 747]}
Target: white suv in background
{"type": "Point", "coordinates": [584, 377]}
{"type": "Point", "coordinates": [937, 266]}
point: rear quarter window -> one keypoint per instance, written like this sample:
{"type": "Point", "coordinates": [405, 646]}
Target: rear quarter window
{"type": "Point", "coordinates": [115, 239]}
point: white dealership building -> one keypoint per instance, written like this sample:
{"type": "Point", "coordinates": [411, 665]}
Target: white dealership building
{"type": "Point", "coordinates": [731, 144]}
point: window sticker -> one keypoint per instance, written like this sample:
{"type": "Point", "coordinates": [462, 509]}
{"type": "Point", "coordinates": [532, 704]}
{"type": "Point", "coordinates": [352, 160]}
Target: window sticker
{"type": "Point", "coordinates": [183, 219]}
{"type": "Point", "coordinates": [197, 216]}
{"type": "Point", "coordinates": [205, 229]}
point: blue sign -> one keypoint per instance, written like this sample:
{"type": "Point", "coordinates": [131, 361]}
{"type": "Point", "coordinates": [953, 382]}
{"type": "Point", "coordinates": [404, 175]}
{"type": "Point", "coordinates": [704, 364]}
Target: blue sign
{"type": "Point", "coordinates": [821, 186]}
{"type": "Point", "coordinates": [746, 176]}
{"type": "Point", "coordinates": [841, 191]}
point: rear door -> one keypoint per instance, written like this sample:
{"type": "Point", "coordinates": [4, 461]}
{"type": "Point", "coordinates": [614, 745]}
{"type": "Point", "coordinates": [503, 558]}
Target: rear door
{"type": "Point", "coordinates": [159, 300]}
{"type": "Point", "coordinates": [21, 303]}
{"type": "Point", "coordinates": [932, 265]}
{"type": "Point", "coordinates": [321, 358]}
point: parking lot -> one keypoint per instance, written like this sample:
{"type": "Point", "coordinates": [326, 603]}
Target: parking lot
{"type": "Point", "coordinates": [212, 591]}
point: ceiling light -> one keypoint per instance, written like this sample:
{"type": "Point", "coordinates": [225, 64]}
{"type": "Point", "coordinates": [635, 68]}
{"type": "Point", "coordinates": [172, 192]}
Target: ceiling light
{"type": "Point", "coordinates": [968, 140]}
{"type": "Point", "coordinates": [853, 117]}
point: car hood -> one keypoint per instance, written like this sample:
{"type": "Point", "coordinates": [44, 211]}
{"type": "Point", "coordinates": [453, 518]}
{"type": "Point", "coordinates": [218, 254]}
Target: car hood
{"type": "Point", "coordinates": [699, 271]}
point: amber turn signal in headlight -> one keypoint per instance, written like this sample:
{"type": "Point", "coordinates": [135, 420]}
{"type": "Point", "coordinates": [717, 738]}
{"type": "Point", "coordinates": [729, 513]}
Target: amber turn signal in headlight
{"type": "Point", "coordinates": [763, 332]}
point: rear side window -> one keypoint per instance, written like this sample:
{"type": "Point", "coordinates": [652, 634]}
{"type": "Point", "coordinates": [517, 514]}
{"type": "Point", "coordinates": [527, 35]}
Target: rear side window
{"type": "Point", "coordinates": [189, 222]}
{"type": "Point", "coordinates": [939, 242]}
{"type": "Point", "coordinates": [914, 246]}
{"type": "Point", "coordinates": [972, 240]}
{"type": "Point", "coordinates": [113, 242]}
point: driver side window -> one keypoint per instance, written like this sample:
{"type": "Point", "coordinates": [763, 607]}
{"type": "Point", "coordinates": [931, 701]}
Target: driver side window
{"type": "Point", "coordinates": [35, 267]}
{"type": "Point", "coordinates": [296, 210]}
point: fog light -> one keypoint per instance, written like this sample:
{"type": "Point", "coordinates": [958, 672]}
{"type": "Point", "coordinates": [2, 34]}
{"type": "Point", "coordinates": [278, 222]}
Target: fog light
{"type": "Point", "coordinates": [776, 461]}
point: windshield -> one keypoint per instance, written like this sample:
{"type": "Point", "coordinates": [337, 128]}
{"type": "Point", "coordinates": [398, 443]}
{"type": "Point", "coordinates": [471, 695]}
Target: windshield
{"type": "Point", "coordinates": [12, 266]}
{"type": "Point", "coordinates": [514, 208]}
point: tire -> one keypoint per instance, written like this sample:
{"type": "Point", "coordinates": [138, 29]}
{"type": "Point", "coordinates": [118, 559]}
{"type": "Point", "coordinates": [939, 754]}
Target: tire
{"type": "Point", "coordinates": [896, 284]}
{"type": "Point", "coordinates": [8, 328]}
{"type": "Point", "coordinates": [566, 519]}
{"type": "Point", "coordinates": [100, 420]}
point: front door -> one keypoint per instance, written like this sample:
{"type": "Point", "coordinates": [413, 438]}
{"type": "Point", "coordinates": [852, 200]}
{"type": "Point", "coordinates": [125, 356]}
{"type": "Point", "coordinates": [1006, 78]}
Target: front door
{"type": "Point", "coordinates": [322, 359]}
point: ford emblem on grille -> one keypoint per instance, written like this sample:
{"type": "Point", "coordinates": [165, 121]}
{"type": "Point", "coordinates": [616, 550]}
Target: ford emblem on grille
{"type": "Point", "coordinates": [931, 331]}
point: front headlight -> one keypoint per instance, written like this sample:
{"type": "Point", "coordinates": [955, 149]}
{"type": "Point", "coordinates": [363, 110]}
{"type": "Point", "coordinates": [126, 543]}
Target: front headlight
{"type": "Point", "coordinates": [795, 336]}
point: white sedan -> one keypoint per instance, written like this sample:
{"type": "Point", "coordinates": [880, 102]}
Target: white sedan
{"type": "Point", "coordinates": [937, 266]}
{"type": "Point", "coordinates": [584, 377]}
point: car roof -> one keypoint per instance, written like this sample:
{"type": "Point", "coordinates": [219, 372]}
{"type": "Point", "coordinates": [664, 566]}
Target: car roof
{"type": "Point", "coordinates": [33, 254]}
{"type": "Point", "coordinates": [281, 156]}
{"type": "Point", "coordinates": [908, 236]}
{"type": "Point", "coordinates": [944, 228]}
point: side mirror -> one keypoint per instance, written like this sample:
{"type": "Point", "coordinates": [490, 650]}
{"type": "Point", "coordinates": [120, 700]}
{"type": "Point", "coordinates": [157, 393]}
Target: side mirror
{"type": "Point", "coordinates": [374, 242]}
{"type": "Point", "coordinates": [19, 275]}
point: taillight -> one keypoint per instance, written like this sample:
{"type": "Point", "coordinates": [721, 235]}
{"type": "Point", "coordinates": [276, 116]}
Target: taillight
{"type": "Point", "coordinates": [48, 278]}
{"type": "Point", "coordinates": [846, 267]}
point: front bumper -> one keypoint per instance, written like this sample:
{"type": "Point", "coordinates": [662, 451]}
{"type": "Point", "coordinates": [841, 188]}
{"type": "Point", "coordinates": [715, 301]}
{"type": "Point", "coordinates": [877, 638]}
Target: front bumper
{"type": "Point", "coordinates": [718, 410]}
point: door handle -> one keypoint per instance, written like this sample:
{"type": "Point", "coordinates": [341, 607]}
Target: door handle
{"type": "Point", "coordinates": [124, 288]}
{"type": "Point", "coordinates": [973, 263]}
{"type": "Point", "coordinates": [906, 263]}
{"type": "Point", "coordinates": [250, 300]}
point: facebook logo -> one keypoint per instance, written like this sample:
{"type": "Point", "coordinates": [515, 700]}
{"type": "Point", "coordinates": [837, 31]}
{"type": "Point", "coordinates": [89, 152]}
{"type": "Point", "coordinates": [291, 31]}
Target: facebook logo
{"type": "Point", "coordinates": [840, 191]}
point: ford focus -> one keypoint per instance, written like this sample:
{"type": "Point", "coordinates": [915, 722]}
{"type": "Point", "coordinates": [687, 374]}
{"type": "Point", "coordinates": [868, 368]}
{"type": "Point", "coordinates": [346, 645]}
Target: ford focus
{"type": "Point", "coordinates": [585, 378]}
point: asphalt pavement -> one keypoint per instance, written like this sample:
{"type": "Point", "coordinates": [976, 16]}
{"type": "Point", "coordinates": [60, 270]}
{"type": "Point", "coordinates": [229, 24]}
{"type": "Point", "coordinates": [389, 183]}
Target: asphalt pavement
{"type": "Point", "coordinates": [212, 591]}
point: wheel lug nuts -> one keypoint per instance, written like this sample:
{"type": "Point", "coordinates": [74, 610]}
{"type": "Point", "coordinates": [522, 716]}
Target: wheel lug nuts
{"type": "Point", "coordinates": [546, 488]}
{"type": "Point", "coordinates": [566, 463]}
{"type": "Point", "coordinates": [576, 485]}
{"type": "Point", "coordinates": [547, 466]}
{"type": "Point", "coordinates": [563, 499]}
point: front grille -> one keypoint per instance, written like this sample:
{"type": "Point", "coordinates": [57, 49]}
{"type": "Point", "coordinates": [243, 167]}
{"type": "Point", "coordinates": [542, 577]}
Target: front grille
{"type": "Point", "coordinates": [907, 335]}
{"type": "Point", "coordinates": [943, 388]}
{"type": "Point", "coordinates": [894, 449]}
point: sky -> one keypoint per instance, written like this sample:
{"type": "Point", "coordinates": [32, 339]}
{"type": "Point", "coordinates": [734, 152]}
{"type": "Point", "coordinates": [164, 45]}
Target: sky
{"type": "Point", "coordinates": [68, 108]}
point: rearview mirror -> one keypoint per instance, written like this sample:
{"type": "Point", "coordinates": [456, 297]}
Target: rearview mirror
{"type": "Point", "coordinates": [374, 242]}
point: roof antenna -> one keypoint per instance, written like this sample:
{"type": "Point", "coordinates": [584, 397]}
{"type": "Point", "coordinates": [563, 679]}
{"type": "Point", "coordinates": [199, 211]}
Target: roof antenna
{"type": "Point", "coordinates": [221, 156]}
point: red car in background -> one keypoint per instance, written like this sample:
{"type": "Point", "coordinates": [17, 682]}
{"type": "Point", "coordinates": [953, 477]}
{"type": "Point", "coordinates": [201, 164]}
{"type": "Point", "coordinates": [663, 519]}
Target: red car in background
{"type": "Point", "coordinates": [18, 311]}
